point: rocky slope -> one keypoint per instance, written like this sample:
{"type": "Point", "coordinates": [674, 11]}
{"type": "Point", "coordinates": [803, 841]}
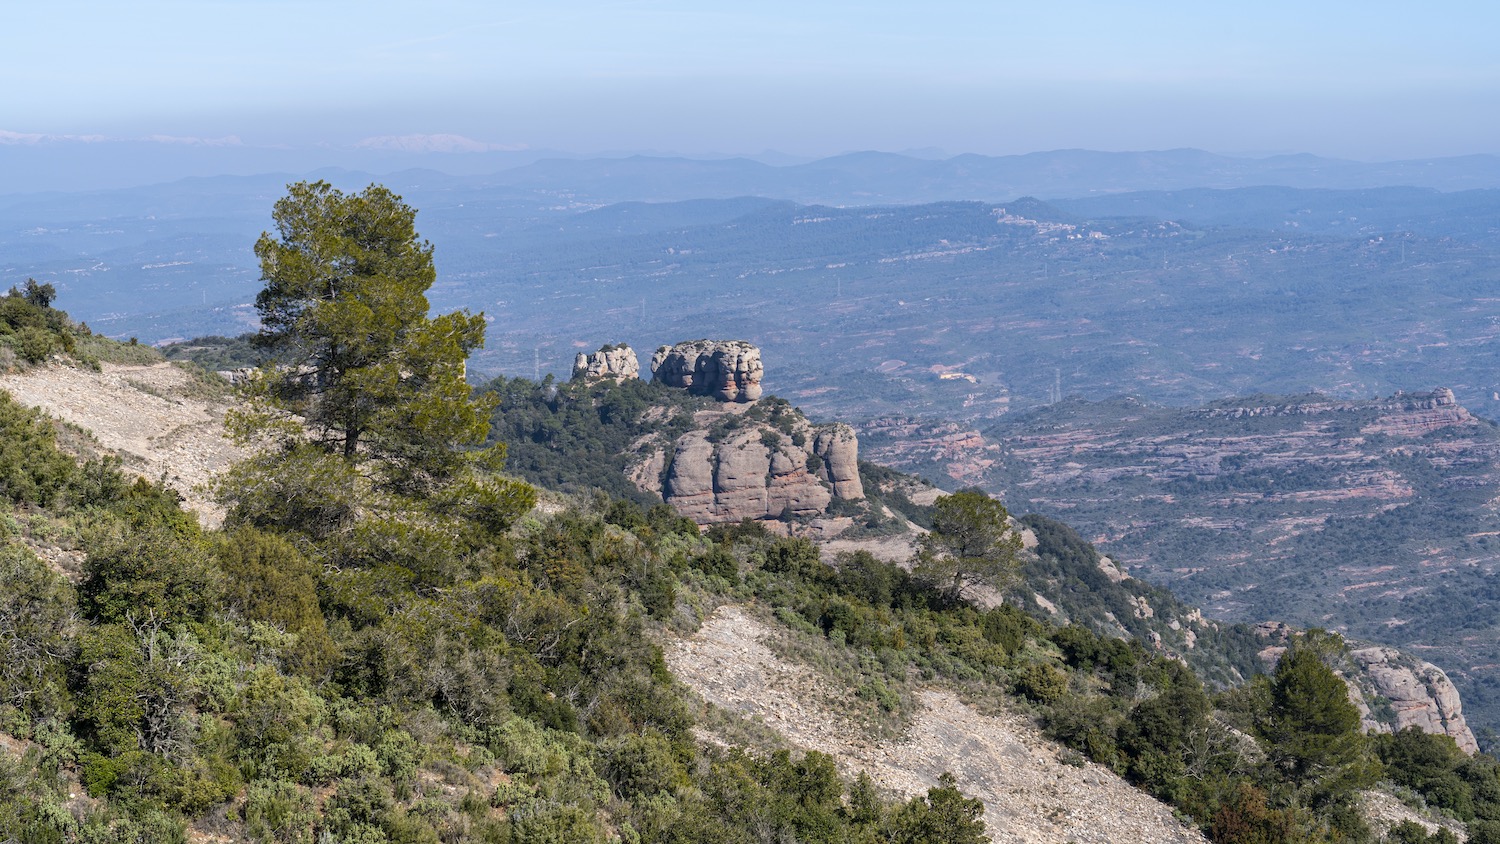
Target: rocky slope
{"type": "Point", "coordinates": [162, 420]}
{"type": "Point", "coordinates": [1033, 790]}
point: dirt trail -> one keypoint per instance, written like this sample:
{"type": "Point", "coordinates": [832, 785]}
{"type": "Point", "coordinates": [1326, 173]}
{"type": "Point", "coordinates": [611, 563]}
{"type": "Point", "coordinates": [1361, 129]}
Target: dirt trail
{"type": "Point", "coordinates": [1030, 794]}
{"type": "Point", "coordinates": [149, 415]}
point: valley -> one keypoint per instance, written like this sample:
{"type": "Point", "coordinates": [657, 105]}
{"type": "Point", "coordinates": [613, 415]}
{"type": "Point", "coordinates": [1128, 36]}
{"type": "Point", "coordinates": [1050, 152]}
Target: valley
{"type": "Point", "coordinates": [1373, 517]}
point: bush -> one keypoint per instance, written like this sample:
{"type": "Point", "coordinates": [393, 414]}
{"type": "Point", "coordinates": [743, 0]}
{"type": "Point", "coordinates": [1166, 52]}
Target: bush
{"type": "Point", "coordinates": [268, 579]}
{"type": "Point", "coordinates": [1041, 682]}
{"type": "Point", "coordinates": [154, 572]}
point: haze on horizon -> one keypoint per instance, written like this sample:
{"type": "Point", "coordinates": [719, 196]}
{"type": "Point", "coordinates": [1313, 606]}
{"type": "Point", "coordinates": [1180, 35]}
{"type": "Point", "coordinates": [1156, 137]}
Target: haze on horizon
{"type": "Point", "coordinates": [1368, 80]}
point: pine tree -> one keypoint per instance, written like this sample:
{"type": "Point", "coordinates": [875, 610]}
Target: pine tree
{"type": "Point", "coordinates": [353, 353]}
{"type": "Point", "coordinates": [1313, 729]}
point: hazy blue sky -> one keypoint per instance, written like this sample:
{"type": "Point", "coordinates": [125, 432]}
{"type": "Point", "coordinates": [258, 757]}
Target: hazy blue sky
{"type": "Point", "coordinates": [1357, 79]}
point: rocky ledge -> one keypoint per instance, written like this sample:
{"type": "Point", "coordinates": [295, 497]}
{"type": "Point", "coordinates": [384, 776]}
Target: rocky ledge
{"type": "Point", "coordinates": [756, 462]}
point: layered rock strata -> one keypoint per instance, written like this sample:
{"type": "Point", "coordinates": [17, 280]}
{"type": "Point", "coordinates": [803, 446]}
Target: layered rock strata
{"type": "Point", "coordinates": [615, 363]}
{"type": "Point", "coordinates": [728, 370]}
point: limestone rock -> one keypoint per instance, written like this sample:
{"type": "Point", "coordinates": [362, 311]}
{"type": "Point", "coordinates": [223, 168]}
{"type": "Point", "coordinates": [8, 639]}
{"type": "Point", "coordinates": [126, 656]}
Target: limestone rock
{"type": "Point", "coordinates": [838, 448]}
{"type": "Point", "coordinates": [1420, 694]}
{"type": "Point", "coordinates": [617, 363]}
{"type": "Point", "coordinates": [728, 370]}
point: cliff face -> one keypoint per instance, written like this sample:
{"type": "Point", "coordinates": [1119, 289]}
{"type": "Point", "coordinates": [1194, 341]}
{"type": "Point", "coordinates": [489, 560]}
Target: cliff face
{"type": "Point", "coordinates": [618, 363]}
{"type": "Point", "coordinates": [728, 370]}
{"type": "Point", "coordinates": [1419, 694]}
{"type": "Point", "coordinates": [838, 449]}
{"type": "Point", "coordinates": [750, 461]}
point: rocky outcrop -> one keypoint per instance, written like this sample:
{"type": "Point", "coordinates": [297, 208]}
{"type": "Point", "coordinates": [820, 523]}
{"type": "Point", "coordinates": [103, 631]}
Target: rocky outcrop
{"type": "Point", "coordinates": [1419, 414]}
{"type": "Point", "coordinates": [1419, 693]}
{"type": "Point", "coordinates": [760, 461]}
{"type": "Point", "coordinates": [748, 475]}
{"type": "Point", "coordinates": [1391, 689]}
{"type": "Point", "coordinates": [838, 448]}
{"type": "Point", "coordinates": [616, 363]}
{"type": "Point", "coordinates": [728, 370]}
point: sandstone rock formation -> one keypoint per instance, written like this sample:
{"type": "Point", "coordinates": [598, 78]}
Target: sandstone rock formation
{"type": "Point", "coordinates": [1420, 694]}
{"type": "Point", "coordinates": [1392, 690]}
{"type": "Point", "coordinates": [747, 475]}
{"type": "Point", "coordinates": [756, 462]}
{"type": "Point", "coordinates": [838, 448]}
{"type": "Point", "coordinates": [728, 370]}
{"type": "Point", "coordinates": [617, 363]}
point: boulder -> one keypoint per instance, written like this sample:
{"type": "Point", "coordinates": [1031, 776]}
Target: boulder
{"type": "Point", "coordinates": [728, 370]}
{"type": "Point", "coordinates": [616, 363]}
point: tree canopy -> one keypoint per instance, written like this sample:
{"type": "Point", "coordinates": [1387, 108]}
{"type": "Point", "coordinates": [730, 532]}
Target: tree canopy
{"type": "Point", "coordinates": [352, 350]}
{"type": "Point", "coordinates": [971, 544]}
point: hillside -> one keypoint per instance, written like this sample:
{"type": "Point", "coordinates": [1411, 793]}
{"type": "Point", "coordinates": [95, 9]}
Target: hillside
{"type": "Point", "coordinates": [788, 672]}
{"type": "Point", "coordinates": [164, 422]}
{"type": "Point", "coordinates": [1031, 793]}
{"type": "Point", "coordinates": [386, 639]}
{"type": "Point", "coordinates": [1372, 517]}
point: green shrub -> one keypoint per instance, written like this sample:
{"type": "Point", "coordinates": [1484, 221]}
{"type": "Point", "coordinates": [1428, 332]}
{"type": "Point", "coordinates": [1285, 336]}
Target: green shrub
{"type": "Point", "coordinates": [1041, 682]}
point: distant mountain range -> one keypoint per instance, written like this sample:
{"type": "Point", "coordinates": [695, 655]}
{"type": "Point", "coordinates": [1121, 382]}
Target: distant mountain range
{"type": "Point", "coordinates": [37, 163]}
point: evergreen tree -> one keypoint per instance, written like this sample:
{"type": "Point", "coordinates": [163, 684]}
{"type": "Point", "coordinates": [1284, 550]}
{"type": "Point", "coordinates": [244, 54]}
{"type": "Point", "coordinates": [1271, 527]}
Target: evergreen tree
{"type": "Point", "coordinates": [353, 352]}
{"type": "Point", "coordinates": [971, 544]}
{"type": "Point", "coordinates": [1313, 729]}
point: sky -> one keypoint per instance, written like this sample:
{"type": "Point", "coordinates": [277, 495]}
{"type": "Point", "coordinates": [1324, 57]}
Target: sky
{"type": "Point", "coordinates": [1368, 80]}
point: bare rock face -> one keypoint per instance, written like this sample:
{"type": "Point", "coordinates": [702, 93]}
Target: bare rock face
{"type": "Point", "coordinates": [1420, 695]}
{"type": "Point", "coordinates": [728, 370]}
{"type": "Point", "coordinates": [750, 463]}
{"type": "Point", "coordinates": [1392, 690]}
{"type": "Point", "coordinates": [838, 448]}
{"type": "Point", "coordinates": [746, 475]}
{"type": "Point", "coordinates": [616, 363]}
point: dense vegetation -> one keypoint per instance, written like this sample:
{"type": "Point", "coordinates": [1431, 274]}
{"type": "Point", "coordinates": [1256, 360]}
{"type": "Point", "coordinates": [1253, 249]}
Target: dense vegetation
{"type": "Point", "coordinates": [381, 669]}
{"type": "Point", "coordinates": [575, 436]}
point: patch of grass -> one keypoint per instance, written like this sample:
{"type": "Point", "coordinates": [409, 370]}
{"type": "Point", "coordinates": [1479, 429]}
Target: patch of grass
{"type": "Point", "coordinates": [93, 348]}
